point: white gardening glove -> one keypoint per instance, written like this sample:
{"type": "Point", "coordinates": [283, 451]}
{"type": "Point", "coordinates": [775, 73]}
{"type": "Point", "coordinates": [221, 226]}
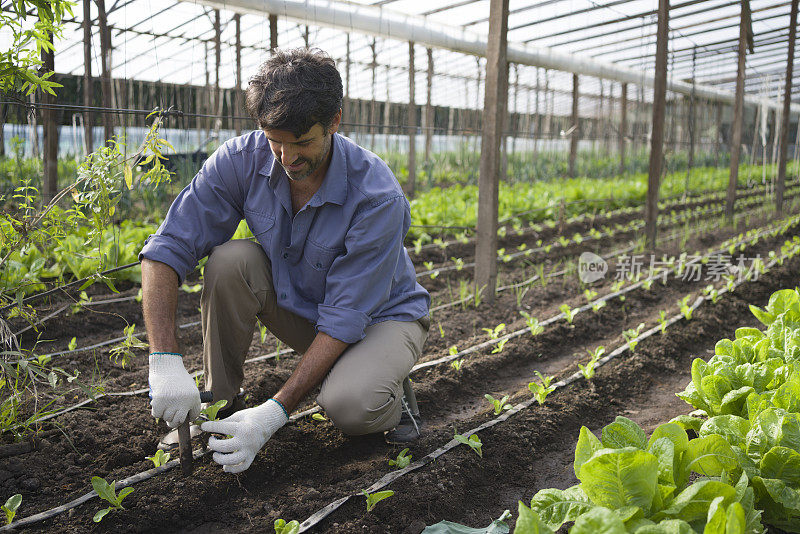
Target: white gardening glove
{"type": "Point", "coordinates": [173, 393]}
{"type": "Point", "coordinates": [249, 429]}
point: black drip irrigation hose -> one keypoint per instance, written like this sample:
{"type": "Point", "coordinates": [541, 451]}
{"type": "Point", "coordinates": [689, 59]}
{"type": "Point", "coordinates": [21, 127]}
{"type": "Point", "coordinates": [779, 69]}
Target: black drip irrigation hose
{"type": "Point", "coordinates": [387, 479]}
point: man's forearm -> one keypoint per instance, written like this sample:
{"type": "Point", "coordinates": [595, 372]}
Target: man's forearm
{"type": "Point", "coordinates": [159, 305]}
{"type": "Point", "coordinates": [313, 366]}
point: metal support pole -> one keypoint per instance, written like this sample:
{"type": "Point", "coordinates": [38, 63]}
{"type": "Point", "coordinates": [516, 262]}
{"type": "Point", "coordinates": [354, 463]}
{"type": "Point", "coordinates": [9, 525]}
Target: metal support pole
{"type": "Point", "coordinates": [105, 68]}
{"type": "Point", "coordinates": [373, 106]}
{"type": "Point", "coordinates": [494, 109]}
{"type": "Point", "coordinates": [412, 124]}
{"type": "Point", "coordinates": [657, 137]}
{"type": "Point", "coordinates": [787, 100]}
{"type": "Point", "coordinates": [50, 130]}
{"type": "Point", "coordinates": [273, 32]}
{"type": "Point", "coordinates": [738, 112]}
{"type": "Point", "coordinates": [88, 119]}
{"type": "Point", "coordinates": [623, 126]}
{"type": "Point", "coordinates": [429, 120]}
{"type": "Point", "coordinates": [575, 129]}
{"type": "Point", "coordinates": [237, 93]}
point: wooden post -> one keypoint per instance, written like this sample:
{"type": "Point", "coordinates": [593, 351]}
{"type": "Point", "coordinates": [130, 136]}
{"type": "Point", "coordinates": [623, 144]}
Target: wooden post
{"type": "Point", "coordinates": [273, 32]}
{"type": "Point", "coordinates": [50, 130]}
{"type": "Point", "coordinates": [787, 99]}
{"type": "Point", "coordinates": [738, 112]}
{"type": "Point", "coordinates": [237, 93]}
{"type": "Point", "coordinates": [88, 118]}
{"type": "Point", "coordinates": [657, 138]}
{"type": "Point", "coordinates": [217, 108]}
{"type": "Point", "coordinates": [429, 119]}
{"type": "Point", "coordinates": [575, 135]}
{"type": "Point", "coordinates": [412, 123]}
{"type": "Point", "coordinates": [373, 108]}
{"type": "Point", "coordinates": [623, 126]}
{"type": "Point", "coordinates": [105, 68]}
{"type": "Point", "coordinates": [346, 104]}
{"type": "Point", "coordinates": [494, 109]}
{"type": "Point", "coordinates": [718, 140]}
{"type": "Point", "coordinates": [691, 125]}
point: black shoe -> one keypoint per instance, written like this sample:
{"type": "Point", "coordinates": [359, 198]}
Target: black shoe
{"type": "Point", "coordinates": [170, 440]}
{"type": "Point", "coordinates": [408, 429]}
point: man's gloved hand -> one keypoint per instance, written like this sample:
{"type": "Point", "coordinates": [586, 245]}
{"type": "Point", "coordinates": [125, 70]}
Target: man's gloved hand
{"type": "Point", "coordinates": [249, 429]}
{"type": "Point", "coordinates": [173, 393]}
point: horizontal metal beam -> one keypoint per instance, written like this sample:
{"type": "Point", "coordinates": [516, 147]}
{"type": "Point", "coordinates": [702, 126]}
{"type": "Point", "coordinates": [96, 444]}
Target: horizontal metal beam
{"type": "Point", "coordinates": [383, 23]}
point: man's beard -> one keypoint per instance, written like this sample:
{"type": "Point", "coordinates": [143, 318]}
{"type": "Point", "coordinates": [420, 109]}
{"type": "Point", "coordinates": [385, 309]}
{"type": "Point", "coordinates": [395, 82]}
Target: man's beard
{"type": "Point", "coordinates": [311, 166]}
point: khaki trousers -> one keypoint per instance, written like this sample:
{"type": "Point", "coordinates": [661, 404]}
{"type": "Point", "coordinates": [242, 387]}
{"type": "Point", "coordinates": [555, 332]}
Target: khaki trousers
{"type": "Point", "coordinates": [362, 392]}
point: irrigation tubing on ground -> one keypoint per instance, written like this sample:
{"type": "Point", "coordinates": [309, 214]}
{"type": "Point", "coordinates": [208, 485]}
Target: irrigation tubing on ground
{"type": "Point", "coordinates": [384, 481]}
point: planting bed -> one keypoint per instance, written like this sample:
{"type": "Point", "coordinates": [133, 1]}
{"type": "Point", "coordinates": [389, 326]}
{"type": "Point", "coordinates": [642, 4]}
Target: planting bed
{"type": "Point", "coordinates": [309, 463]}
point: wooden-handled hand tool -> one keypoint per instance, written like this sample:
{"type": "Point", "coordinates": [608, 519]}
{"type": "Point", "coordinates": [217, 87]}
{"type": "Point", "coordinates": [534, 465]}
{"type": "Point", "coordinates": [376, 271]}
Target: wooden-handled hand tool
{"type": "Point", "coordinates": [185, 438]}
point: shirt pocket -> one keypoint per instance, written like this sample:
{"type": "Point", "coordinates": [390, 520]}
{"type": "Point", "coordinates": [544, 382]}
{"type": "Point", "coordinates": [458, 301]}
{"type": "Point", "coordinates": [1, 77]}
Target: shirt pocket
{"type": "Point", "coordinates": [261, 225]}
{"type": "Point", "coordinates": [314, 267]}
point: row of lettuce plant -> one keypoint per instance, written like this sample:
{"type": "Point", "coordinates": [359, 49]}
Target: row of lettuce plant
{"type": "Point", "coordinates": [742, 467]}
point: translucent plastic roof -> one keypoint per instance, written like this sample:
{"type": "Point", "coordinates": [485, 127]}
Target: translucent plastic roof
{"type": "Point", "coordinates": [173, 42]}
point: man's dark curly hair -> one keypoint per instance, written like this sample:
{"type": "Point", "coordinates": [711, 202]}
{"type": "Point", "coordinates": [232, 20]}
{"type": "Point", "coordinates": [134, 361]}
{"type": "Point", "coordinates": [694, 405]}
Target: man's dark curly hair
{"type": "Point", "coordinates": [295, 89]}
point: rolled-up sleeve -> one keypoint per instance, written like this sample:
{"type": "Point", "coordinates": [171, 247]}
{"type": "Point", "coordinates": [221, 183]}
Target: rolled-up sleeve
{"type": "Point", "coordinates": [360, 280]}
{"type": "Point", "coordinates": [205, 214]}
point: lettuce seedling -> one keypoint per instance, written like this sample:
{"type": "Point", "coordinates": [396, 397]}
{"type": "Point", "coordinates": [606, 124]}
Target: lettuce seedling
{"type": "Point", "coordinates": [686, 308]}
{"type": "Point", "coordinates": [456, 364]}
{"type": "Point", "coordinates": [375, 498]}
{"type": "Point", "coordinates": [533, 323]}
{"type": "Point", "coordinates": [599, 305]}
{"type": "Point", "coordinates": [712, 292]}
{"type": "Point", "coordinates": [499, 347]}
{"type": "Point", "coordinates": [588, 370]}
{"type": "Point", "coordinates": [541, 391]}
{"type": "Point", "coordinates": [402, 460]}
{"type": "Point", "coordinates": [494, 333]}
{"type": "Point", "coordinates": [212, 410]}
{"type": "Point", "coordinates": [473, 442]}
{"type": "Point", "coordinates": [282, 527]}
{"type": "Point", "coordinates": [590, 295]}
{"type": "Point", "coordinates": [124, 350]}
{"type": "Point", "coordinates": [630, 336]}
{"type": "Point", "coordinates": [159, 458]}
{"type": "Point", "coordinates": [499, 405]}
{"type": "Point", "coordinates": [458, 262]}
{"type": "Point", "coordinates": [107, 493]}
{"type": "Point", "coordinates": [569, 313]}
{"type": "Point", "coordinates": [318, 417]}
{"type": "Point", "coordinates": [662, 320]}
{"type": "Point", "coordinates": [11, 506]}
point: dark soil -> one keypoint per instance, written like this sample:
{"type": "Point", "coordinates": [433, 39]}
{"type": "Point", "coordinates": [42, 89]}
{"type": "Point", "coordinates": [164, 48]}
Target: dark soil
{"type": "Point", "coordinates": [309, 464]}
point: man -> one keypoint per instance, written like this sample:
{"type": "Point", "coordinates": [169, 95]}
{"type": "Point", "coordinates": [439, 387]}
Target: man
{"type": "Point", "coordinates": [328, 275]}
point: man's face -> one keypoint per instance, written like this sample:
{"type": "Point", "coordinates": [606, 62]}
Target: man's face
{"type": "Point", "coordinates": [301, 157]}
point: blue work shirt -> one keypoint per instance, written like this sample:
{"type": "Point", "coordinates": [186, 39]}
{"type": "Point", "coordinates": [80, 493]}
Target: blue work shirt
{"type": "Point", "coordinates": [340, 262]}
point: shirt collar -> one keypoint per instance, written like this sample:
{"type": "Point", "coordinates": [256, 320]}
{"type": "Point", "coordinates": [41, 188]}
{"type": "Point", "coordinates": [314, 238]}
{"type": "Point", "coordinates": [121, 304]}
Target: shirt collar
{"type": "Point", "coordinates": [334, 185]}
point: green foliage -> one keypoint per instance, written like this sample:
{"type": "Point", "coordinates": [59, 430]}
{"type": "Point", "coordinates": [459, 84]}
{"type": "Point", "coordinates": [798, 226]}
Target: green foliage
{"type": "Point", "coordinates": [588, 370]}
{"type": "Point", "coordinates": [473, 442]}
{"type": "Point", "coordinates": [282, 527]}
{"type": "Point", "coordinates": [569, 313]}
{"type": "Point", "coordinates": [532, 323]}
{"type": "Point", "coordinates": [212, 410]}
{"type": "Point", "coordinates": [11, 506]}
{"type": "Point", "coordinates": [402, 460]}
{"type": "Point", "coordinates": [107, 492]}
{"type": "Point", "coordinates": [375, 498]}
{"type": "Point", "coordinates": [630, 482]}
{"type": "Point", "coordinates": [159, 458]}
{"type": "Point", "coordinates": [30, 22]}
{"type": "Point", "coordinates": [499, 405]}
{"type": "Point", "coordinates": [543, 389]}
{"type": "Point", "coordinates": [122, 352]}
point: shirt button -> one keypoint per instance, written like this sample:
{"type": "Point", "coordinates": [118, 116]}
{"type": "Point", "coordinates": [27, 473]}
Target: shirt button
{"type": "Point", "coordinates": [285, 255]}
